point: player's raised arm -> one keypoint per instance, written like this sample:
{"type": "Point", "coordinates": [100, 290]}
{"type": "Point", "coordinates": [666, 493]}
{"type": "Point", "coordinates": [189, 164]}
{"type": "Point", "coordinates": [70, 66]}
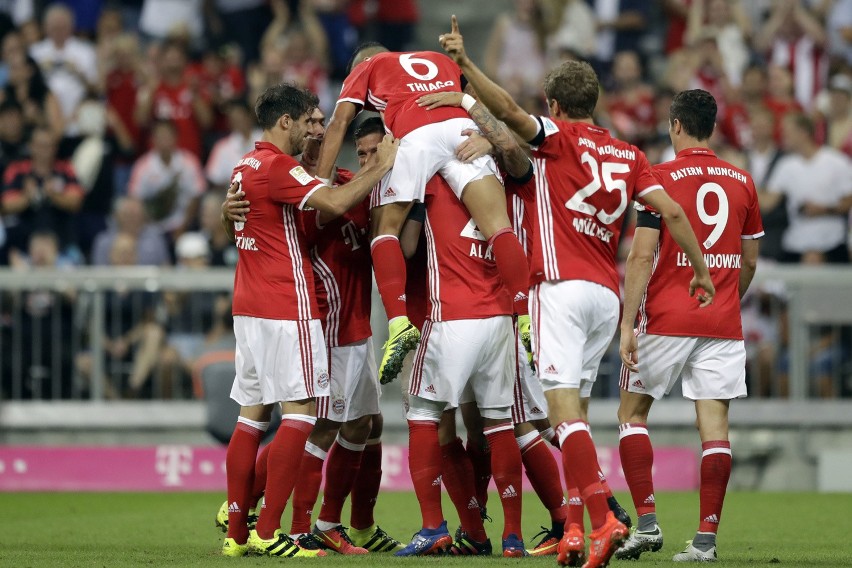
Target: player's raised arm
{"type": "Point", "coordinates": [498, 101]}
{"type": "Point", "coordinates": [681, 230]}
{"type": "Point", "coordinates": [640, 263]}
{"type": "Point", "coordinates": [338, 200]}
{"type": "Point", "coordinates": [332, 140]}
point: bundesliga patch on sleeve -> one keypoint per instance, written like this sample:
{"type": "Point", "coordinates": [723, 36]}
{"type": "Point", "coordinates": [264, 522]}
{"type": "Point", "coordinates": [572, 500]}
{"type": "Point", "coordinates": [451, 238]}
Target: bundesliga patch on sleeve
{"type": "Point", "coordinates": [549, 126]}
{"type": "Point", "coordinates": [301, 176]}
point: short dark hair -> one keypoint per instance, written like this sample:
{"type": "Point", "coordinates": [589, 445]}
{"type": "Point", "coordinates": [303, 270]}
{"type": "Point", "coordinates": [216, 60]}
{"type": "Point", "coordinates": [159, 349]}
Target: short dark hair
{"type": "Point", "coordinates": [696, 111]}
{"type": "Point", "coordinates": [574, 85]}
{"type": "Point", "coordinates": [278, 100]}
{"type": "Point", "coordinates": [367, 45]}
{"type": "Point", "coordinates": [372, 125]}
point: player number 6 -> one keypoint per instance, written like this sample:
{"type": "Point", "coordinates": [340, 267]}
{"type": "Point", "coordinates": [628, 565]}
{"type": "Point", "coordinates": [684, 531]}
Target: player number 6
{"type": "Point", "coordinates": [408, 61]}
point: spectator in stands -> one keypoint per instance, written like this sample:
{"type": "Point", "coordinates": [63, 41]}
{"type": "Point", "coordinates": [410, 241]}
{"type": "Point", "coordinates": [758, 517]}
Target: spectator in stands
{"type": "Point", "coordinates": [168, 180]}
{"type": "Point", "coordinates": [228, 151]}
{"type": "Point", "coordinates": [514, 55]}
{"type": "Point", "coordinates": [575, 32]}
{"type": "Point", "coordinates": [838, 119]}
{"type": "Point", "coordinates": [223, 252]}
{"type": "Point", "coordinates": [621, 24]}
{"type": "Point", "coordinates": [45, 326]}
{"type": "Point", "coordinates": [839, 28]}
{"type": "Point", "coordinates": [780, 99]}
{"type": "Point", "coordinates": [630, 101]}
{"type": "Point", "coordinates": [161, 19]}
{"type": "Point", "coordinates": [764, 156]}
{"type": "Point", "coordinates": [241, 22]}
{"type": "Point", "coordinates": [794, 38]}
{"type": "Point", "coordinates": [13, 136]}
{"type": "Point", "coordinates": [41, 193]}
{"type": "Point", "coordinates": [220, 81]}
{"type": "Point", "coordinates": [392, 21]}
{"type": "Point", "coordinates": [27, 87]}
{"type": "Point", "coordinates": [68, 63]}
{"type": "Point", "coordinates": [170, 95]}
{"type": "Point", "coordinates": [12, 47]}
{"type": "Point", "coordinates": [817, 184]}
{"type": "Point", "coordinates": [129, 218]}
{"type": "Point", "coordinates": [727, 24]}
{"type": "Point", "coordinates": [734, 122]}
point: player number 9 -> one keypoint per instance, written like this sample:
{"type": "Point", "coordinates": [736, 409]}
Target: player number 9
{"type": "Point", "coordinates": [719, 220]}
{"type": "Point", "coordinates": [408, 61]}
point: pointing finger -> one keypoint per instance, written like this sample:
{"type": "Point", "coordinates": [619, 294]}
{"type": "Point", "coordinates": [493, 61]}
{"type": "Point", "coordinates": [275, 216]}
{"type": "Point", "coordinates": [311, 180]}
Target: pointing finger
{"type": "Point", "coordinates": [455, 24]}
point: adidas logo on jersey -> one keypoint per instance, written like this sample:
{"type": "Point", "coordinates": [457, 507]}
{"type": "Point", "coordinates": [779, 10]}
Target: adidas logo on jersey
{"type": "Point", "coordinates": [650, 500]}
{"type": "Point", "coordinates": [712, 519]}
{"type": "Point", "coordinates": [551, 370]}
{"type": "Point", "coordinates": [536, 410]}
{"type": "Point", "coordinates": [401, 298]}
{"type": "Point", "coordinates": [564, 502]}
{"type": "Point", "coordinates": [430, 389]}
{"type": "Point", "coordinates": [437, 481]}
{"type": "Point", "coordinates": [474, 504]}
{"type": "Point", "coordinates": [520, 296]}
{"type": "Point", "coordinates": [509, 492]}
{"type": "Point", "coordinates": [389, 192]}
{"type": "Point", "coordinates": [575, 502]}
{"type": "Point", "coordinates": [233, 508]}
{"type": "Point", "coordinates": [638, 384]}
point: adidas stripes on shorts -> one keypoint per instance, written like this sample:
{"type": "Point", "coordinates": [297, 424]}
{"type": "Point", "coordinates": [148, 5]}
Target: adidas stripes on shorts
{"type": "Point", "coordinates": [354, 387]}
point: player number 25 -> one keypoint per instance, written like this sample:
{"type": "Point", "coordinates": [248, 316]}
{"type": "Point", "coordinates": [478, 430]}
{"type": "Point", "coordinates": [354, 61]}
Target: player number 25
{"type": "Point", "coordinates": [408, 61]}
{"type": "Point", "coordinates": [605, 170]}
{"type": "Point", "coordinates": [719, 220]}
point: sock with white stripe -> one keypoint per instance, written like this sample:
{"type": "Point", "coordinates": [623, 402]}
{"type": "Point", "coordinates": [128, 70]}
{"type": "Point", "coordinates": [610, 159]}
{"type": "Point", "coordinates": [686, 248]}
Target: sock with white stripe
{"type": "Point", "coordinates": [543, 474]}
{"type": "Point", "coordinates": [344, 461]}
{"type": "Point", "coordinates": [637, 460]}
{"type": "Point", "coordinates": [506, 469]}
{"type": "Point", "coordinates": [715, 472]}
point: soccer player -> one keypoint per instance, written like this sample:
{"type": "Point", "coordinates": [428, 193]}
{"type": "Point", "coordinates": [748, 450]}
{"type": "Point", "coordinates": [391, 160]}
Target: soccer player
{"type": "Point", "coordinates": [574, 299]}
{"type": "Point", "coordinates": [466, 352]}
{"type": "Point", "coordinates": [674, 339]}
{"type": "Point", "coordinates": [280, 355]}
{"type": "Point", "coordinates": [390, 83]}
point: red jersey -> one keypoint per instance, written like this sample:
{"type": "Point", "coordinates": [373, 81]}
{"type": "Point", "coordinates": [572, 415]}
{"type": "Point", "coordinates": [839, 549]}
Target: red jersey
{"type": "Point", "coordinates": [463, 278]}
{"type": "Point", "coordinates": [273, 278]}
{"type": "Point", "coordinates": [585, 180]}
{"type": "Point", "coordinates": [416, 285]}
{"type": "Point", "coordinates": [520, 204]}
{"type": "Point", "coordinates": [340, 255]}
{"type": "Point", "coordinates": [720, 202]}
{"type": "Point", "coordinates": [175, 103]}
{"type": "Point", "coordinates": [390, 83]}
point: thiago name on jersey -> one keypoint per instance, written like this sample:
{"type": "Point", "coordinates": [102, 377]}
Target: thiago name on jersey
{"type": "Point", "coordinates": [713, 260]}
{"type": "Point", "coordinates": [428, 87]}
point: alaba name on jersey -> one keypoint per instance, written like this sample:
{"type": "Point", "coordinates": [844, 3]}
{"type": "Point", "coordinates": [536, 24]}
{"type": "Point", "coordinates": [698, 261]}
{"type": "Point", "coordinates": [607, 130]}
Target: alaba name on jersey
{"type": "Point", "coordinates": [520, 204]}
{"type": "Point", "coordinates": [391, 82]}
{"type": "Point", "coordinates": [585, 179]}
{"type": "Point", "coordinates": [720, 202]}
{"type": "Point", "coordinates": [273, 278]}
{"type": "Point", "coordinates": [463, 278]}
{"type": "Point", "coordinates": [340, 255]}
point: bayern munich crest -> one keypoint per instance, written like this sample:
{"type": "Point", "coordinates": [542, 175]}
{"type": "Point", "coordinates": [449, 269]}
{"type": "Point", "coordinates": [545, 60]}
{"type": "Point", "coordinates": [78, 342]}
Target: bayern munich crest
{"type": "Point", "coordinates": [322, 380]}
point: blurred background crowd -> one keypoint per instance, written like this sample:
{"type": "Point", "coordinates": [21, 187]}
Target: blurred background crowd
{"type": "Point", "coordinates": [120, 121]}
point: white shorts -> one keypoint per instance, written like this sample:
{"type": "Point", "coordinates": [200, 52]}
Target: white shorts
{"type": "Point", "coordinates": [453, 354]}
{"type": "Point", "coordinates": [422, 153]}
{"type": "Point", "coordinates": [573, 324]}
{"type": "Point", "coordinates": [354, 390]}
{"type": "Point", "coordinates": [278, 361]}
{"type": "Point", "coordinates": [710, 368]}
{"type": "Point", "coordinates": [529, 403]}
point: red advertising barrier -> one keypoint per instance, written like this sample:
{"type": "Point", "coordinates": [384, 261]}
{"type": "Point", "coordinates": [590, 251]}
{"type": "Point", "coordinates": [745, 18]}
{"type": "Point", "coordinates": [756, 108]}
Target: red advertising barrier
{"type": "Point", "coordinates": [202, 468]}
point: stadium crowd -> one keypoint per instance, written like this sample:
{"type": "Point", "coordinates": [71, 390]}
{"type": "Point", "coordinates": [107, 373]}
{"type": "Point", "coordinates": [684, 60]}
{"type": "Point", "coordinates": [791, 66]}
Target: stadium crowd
{"type": "Point", "coordinates": [120, 122]}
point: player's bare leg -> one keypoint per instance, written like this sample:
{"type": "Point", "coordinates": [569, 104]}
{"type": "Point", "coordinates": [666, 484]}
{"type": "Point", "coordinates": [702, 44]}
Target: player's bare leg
{"type": "Point", "coordinates": [715, 472]}
{"type": "Point", "coordinates": [637, 460]}
{"type": "Point", "coordinates": [580, 463]}
{"type": "Point", "coordinates": [389, 267]}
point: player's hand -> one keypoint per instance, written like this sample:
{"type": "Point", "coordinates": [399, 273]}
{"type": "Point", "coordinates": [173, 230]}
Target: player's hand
{"type": "Point", "coordinates": [236, 207]}
{"type": "Point", "coordinates": [628, 349]}
{"type": "Point", "coordinates": [707, 290]}
{"type": "Point", "coordinates": [474, 147]}
{"type": "Point", "coordinates": [453, 42]}
{"type": "Point", "coordinates": [386, 152]}
{"type": "Point", "coordinates": [436, 100]}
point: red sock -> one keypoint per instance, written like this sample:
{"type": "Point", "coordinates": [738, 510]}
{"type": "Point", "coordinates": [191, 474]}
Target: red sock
{"type": "Point", "coordinates": [424, 463]}
{"type": "Point", "coordinates": [457, 475]}
{"type": "Point", "coordinates": [239, 464]}
{"type": "Point", "coordinates": [601, 476]}
{"type": "Point", "coordinates": [579, 460]}
{"type": "Point", "coordinates": [715, 472]}
{"type": "Point", "coordinates": [365, 491]}
{"type": "Point", "coordinates": [637, 459]}
{"type": "Point", "coordinates": [480, 459]}
{"type": "Point", "coordinates": [344, 461]}
{"type": "Point", "coordinates": [543, 474]}
{"type": "Point", "coordinates": [575, 508]}
{"type": "Point", "coordinates": [389, 267]}
{"type": "Point", "coordinates": [307, 488]}
{"type": "Point", "coordinates": [512, 265]}
{"type": "Point", "coordinates": [260, 470]}
{"type": "Point", "coordinates": [507, 469]}
{"type": "Point", "coordinates": [285, 458]}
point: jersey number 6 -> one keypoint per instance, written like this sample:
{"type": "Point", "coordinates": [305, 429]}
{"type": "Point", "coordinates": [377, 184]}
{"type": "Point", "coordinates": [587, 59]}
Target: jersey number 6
{"type": "Point", "coordinates": [408, 61]}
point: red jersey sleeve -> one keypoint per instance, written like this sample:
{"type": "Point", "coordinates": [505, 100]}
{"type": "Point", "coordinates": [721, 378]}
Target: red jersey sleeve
{"type": "Point", "coordinates": [355, 86]}
{"type": "Point", "coordinates": [290, 183]}
{"type": "Point", "coordinates": [753, 225]}
{"type": "Point", "coordinates": [646, 181]}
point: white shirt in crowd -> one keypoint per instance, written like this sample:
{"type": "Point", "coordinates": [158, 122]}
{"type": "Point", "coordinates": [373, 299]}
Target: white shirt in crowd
{"type": "Point", "coordinates": [67, 85]}
{"type": "Point", "coordinates": [172, 186]}
{"type": "Point", "coordinates": [825, 179]}
{"type": "Point", "coordinates": [225, 155]}
{"type": "Point", "coordinates": [159, 18]}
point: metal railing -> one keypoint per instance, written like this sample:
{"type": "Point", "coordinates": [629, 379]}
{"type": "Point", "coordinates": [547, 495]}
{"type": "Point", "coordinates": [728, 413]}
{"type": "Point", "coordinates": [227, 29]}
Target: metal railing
{"type": "Point", "coordinates": [64, 333]}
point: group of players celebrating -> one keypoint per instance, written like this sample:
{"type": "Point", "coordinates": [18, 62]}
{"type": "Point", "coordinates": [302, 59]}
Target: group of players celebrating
{"type": "Point", "coordinates": [508, 312]}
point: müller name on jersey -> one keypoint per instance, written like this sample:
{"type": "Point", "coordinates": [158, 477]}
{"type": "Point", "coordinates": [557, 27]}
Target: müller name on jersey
{"type": "Point", "coordinates": [713, 260]}
{"type": "Point", "coordinates": [711, 170]}
{"type": "Point", "coordinates": [609, 149]}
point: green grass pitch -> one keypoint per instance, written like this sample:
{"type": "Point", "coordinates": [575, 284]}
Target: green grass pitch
{"type": "Point", "coordinates": [176, 529]}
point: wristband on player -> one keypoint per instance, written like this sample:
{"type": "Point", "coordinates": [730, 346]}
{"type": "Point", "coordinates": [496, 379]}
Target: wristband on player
{"type": "Point", "coordinates": [326, 181]}
{"type": "Point", "coordinates": [467, 102]}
